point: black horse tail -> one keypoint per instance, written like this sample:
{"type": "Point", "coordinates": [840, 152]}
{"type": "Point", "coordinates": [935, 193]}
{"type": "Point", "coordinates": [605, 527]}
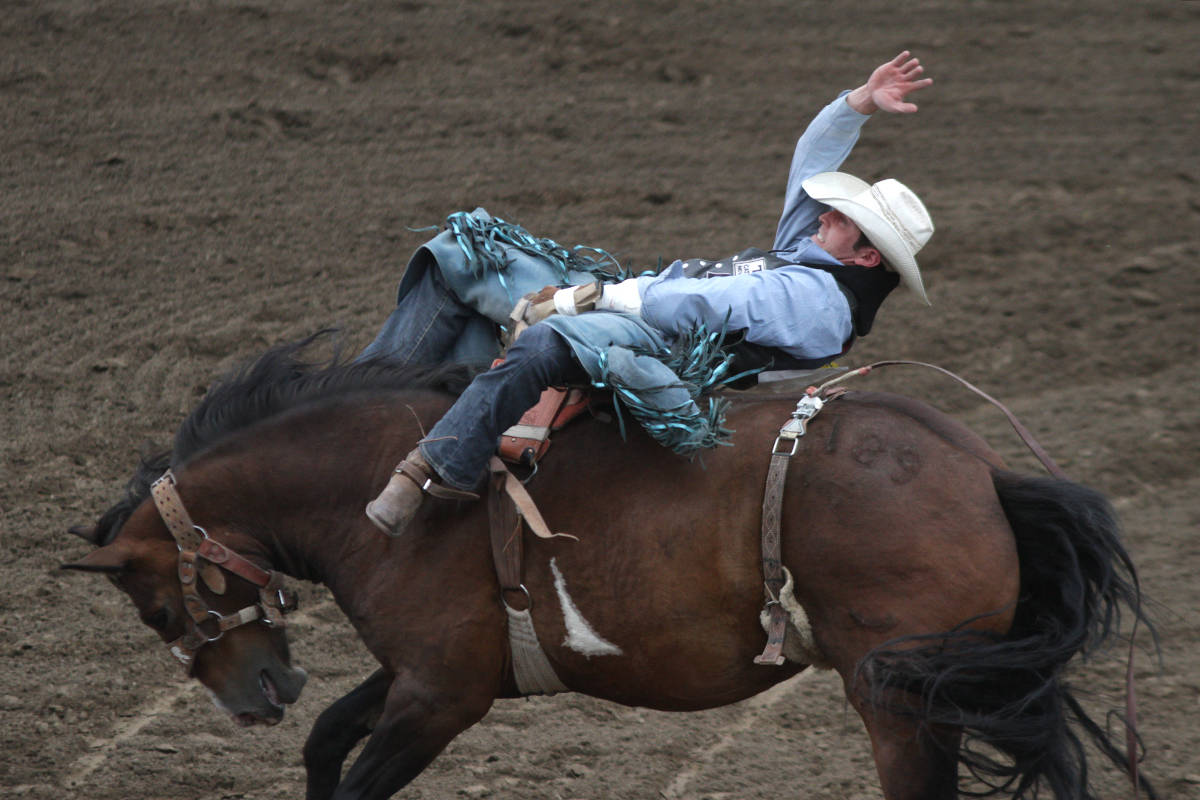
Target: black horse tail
{"type": "Point", "coordinates": [1009, 692]}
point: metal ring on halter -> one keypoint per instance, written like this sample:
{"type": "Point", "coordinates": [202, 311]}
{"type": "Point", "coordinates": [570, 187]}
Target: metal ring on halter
{"type": "Point", "coordinates": [528, 597]}
{"type": "Point", "coordinates": [209, 639]}
{"type": "Point", "coordinates": [203, 535]}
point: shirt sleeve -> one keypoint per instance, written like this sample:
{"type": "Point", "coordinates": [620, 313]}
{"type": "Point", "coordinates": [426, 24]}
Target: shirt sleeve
{"type": "Point", "coordinates": [823, 146]}
{"type": "Point", "coordinates": [798, 309]}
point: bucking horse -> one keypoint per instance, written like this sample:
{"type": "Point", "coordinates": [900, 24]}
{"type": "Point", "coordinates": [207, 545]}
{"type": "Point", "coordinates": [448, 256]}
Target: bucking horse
{"type": "Point", "coordinates": [948, 592]}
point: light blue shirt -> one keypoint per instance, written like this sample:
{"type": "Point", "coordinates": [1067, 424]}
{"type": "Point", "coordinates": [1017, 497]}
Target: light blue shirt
{"type": "Point", "coordinates": [797, 309]}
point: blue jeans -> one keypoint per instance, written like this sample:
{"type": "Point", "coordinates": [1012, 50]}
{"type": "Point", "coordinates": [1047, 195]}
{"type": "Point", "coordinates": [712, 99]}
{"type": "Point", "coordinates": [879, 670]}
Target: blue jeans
{"type": "Point", "coordinates": [423, 327]}
{"type": "Point", "coordinates": [461, 443]}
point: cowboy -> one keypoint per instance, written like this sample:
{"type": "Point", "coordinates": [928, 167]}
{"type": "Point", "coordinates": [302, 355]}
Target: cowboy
{"type": "Point", "coordinates": [841, 246]}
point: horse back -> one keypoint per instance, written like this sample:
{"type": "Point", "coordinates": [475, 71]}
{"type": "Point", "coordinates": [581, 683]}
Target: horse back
{"type": "Point", "coordinates": [889, 520]}
{"type": "Point", "coordinates": [941, 424]}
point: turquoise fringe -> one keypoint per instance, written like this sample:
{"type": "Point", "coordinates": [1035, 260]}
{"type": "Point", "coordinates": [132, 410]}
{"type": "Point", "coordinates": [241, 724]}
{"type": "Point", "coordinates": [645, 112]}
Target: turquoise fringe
{"type": "Point", "coordinates": [696, 358]}
{"type": "Point", "coordinates": [482, 242]}
{"type": "Point", "coordinates": [702, 367]}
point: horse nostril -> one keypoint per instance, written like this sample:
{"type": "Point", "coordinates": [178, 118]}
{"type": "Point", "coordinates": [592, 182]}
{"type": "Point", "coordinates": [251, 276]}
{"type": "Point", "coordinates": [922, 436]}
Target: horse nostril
{"type": "Point", "coordinates": [299, 678]}
{"type": "Point", "coordinates": [283, 688]}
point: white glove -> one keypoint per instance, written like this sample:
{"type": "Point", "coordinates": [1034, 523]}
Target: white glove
{"type": "Point", "coordinates": [623, 297]}
{"type": "Point", "coordinates": [574, 299]}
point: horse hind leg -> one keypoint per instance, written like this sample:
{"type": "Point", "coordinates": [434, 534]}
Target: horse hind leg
{"type": "Point", "coordinates": [914, 762]}
{"type": "Point", "coordinates": [338, 729]}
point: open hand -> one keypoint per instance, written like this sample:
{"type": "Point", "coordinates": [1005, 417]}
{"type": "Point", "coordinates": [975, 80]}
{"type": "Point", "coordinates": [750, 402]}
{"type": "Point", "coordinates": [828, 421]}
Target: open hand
{"type": "Point", "coordinates": [889, 86]}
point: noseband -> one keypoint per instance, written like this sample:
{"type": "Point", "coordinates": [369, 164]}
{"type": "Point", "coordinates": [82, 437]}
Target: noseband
{"type": "Point", "coordinates": [202, 557]}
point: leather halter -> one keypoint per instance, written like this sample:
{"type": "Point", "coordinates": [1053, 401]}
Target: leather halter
{"type": "Point", "coordinates": [201, 557]}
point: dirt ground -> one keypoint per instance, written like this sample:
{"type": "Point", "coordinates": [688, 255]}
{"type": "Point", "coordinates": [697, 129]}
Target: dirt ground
{"type": "Point", "coordinates": [185, 183]}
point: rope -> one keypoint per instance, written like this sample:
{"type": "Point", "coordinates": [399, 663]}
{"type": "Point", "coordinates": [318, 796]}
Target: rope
{"type": "Point", "coordinates": [1021, 430]}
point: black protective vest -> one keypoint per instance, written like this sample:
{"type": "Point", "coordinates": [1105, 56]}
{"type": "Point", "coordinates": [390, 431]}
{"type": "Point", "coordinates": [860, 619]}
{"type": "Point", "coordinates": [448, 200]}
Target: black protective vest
{"type": "Point", "coordinates": [864, 289]}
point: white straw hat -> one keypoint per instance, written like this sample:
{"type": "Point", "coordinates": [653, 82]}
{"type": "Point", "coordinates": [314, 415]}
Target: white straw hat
{"type": "Point", "coordinates": [889, 213]}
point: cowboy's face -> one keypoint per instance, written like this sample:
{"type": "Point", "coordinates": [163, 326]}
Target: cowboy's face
{"type": "Point", "coordinates": [838, 236]}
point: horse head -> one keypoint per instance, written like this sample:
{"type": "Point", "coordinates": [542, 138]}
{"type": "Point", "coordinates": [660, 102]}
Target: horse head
{"type": "Point", "coordinates": [226, 630]}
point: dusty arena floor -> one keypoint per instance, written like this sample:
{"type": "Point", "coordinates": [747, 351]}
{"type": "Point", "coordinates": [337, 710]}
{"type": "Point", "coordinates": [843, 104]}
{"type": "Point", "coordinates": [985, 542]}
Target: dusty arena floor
{"type": "Point", "coordinates": [183, 184]}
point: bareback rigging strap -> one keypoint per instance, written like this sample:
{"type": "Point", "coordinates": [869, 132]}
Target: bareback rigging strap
{"type": "Point", "coordinates": [509, 508]}
{"type": "Point", "coordinates": [773, 579]}
{"type": "Point", "coordinates": [509, 505]}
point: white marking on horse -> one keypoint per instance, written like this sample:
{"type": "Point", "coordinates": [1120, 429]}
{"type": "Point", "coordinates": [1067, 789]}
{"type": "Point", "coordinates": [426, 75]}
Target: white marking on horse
{"type": "Point", "coordinates": [581, 637]}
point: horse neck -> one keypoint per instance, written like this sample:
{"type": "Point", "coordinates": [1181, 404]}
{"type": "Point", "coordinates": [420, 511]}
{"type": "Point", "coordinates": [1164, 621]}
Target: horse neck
{"type": "Point", "coordinates": [296, 485]}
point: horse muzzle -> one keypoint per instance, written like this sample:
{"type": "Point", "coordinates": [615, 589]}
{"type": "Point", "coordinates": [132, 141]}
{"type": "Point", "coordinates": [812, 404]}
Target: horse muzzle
{"type": "Point", "coordinates": [265, 703]}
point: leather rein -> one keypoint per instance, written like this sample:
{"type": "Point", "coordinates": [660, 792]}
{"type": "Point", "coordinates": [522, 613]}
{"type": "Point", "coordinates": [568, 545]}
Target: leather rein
{"type": "Point", "coordinates": [203, 558]}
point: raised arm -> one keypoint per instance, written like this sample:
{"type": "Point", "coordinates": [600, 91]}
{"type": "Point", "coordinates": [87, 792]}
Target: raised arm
{"type": "Point", "coordinates": [831, 136]}
{"type": "Point", "coordinates": [889, 85]}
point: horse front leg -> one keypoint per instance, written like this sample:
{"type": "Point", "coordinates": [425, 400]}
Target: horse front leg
{"type": "Point", "coordinates": [418, 720]}
{"type": "Point", "coordinates": [338, 729]}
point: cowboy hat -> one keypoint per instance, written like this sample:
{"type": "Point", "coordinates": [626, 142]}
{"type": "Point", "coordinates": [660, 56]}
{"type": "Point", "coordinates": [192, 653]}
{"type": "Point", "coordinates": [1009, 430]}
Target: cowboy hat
{"type": "Point", "coordinates": [888, 213]}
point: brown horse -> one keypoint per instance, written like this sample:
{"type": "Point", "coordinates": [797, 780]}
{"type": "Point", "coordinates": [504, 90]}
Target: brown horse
{"type": "Point", "coordinates": [948, 593]}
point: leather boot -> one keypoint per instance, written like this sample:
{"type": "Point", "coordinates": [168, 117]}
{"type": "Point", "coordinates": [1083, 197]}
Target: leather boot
{"type": "Point", "coordinates": [397, 504]}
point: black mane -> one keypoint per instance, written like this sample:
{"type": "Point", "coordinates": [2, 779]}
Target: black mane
{"type": "Point", "coordinates": [279, 380]}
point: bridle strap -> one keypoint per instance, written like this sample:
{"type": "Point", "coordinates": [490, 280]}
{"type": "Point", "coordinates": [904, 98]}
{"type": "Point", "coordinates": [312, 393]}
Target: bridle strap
{"type": "Point", "coordinates": [184, 648]}
{"type": "Point", "coordinates": [221, 555]}
{"type": "Point", "coordinates": [192, 601]}
{"type": "Point", "coordinates": [174, 515]}
{"type": "Point", "coordinates": [190, 537]}
{"type": "Point", "coordinates": [199, 556]}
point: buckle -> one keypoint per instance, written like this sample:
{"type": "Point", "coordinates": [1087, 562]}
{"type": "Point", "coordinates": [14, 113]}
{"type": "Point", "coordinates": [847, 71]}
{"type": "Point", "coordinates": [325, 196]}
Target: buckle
{"type": "Point", "coordinates": [806, 408]}
{"type": "Point", "coordinates": [287, 600]}
{"type": "Point", "coordinates": [795, 440]}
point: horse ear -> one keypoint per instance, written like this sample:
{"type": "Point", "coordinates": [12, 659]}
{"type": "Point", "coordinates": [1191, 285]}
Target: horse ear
{"type": "Point", "coordinates": [104, 559]}
{"type": "Point", "coordinates": [85, 532]}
